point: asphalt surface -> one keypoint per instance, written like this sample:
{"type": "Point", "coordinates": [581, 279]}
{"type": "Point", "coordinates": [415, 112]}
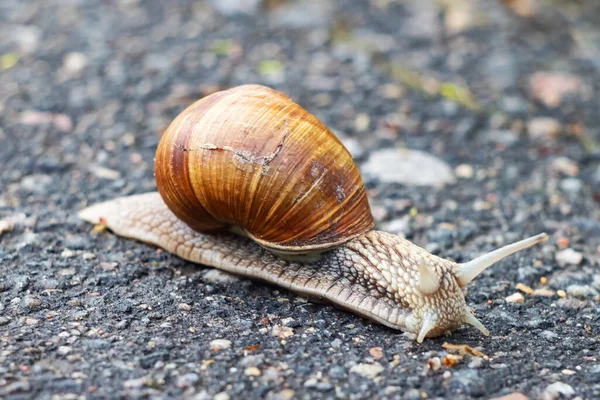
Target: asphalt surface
{"type": "Point", "coordinates": [507, 97]}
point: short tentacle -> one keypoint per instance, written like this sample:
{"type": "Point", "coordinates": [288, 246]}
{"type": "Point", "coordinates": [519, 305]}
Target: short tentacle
{"type": "Point", "coordinates": [429, 282]}
{"type": "Point", "coordinates": [471, 320]}
{"type": "Point", "coordinates": [429, 322]}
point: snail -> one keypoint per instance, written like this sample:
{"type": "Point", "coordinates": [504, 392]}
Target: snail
{"type": "Point", "coordinates": [251, 183]}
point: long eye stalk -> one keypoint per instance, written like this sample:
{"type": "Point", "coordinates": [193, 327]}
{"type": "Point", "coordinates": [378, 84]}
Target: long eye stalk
{"type": "Point", "coordinates": [469, 271]}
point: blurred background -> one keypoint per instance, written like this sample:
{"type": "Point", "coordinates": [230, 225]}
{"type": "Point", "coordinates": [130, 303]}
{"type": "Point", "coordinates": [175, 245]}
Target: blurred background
{"type": "Point", "coordinates": [484, 87]}
{"type": "Point", "coordinates": [474, 122]}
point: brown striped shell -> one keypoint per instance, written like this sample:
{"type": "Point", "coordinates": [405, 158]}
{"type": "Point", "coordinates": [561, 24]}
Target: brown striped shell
{"type": "Point", "coordinates": [251, 158]}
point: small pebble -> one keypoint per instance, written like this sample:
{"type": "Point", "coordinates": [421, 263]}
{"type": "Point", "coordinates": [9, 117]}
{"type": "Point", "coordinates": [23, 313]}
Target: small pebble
{"type": "Point", "coordinates": [562, 242]}
{"type": "Point", "coordinates": [376, 352]}
{"type": "Point", "coordinates": [322, 99]}
{"type": "Point", "coordinates": [252, 371]}
{"type": "Point", "coordinates": [36, 183]}
{"type": "Point", "coordinates": [380, 212]}
{"type": "Point", "coordinates": [108, 266]}
{"type": "Point", "coordinates": [221, 396]}
{"type": "Point", "coordinates": [571, 185]}
{"type": "Point", "coordinates": [187, 380]}
{"type": "Point", "coordinates": [408, 168]}
{"type": "Point", "coordinates": [367, 370]}
{"type": "Point", "coordinates": [311, 383]}
{"type": "Point", "coordinates": [219, 344]}
{"type": "Point", "coordinates": [362, 121]}
{"type": "Point", "coordinates": [286, 394]}
{"type": "Point", "coordinates": [502, 137]}
{"type": "Point", "coordinates": [475, 363]}
{"type": "Point", "coordinates": [464, 171]}
{"type": "Point", "coordinates": [282, 332]}
{"type": "Point", "coordinates": [398, 225]}
{"type": "Point", "coordinates": [67, 253]}
{"type": "Point", "coordinates": [66, 272]}
{"type": "Point", "coordinates": [104, 173]}
{"type": "Point", "coordinates": [451, 360]}
{"type": "Point", "coordinates": [217, 276]}
{"type": "Point", "coordinates": [7, 224]}
{"type": "Point", "coordinates": [231, 8]}
{"type": "Point", "coordinates": [32, 302]}
{"type": "Point", "coordinates": [412, 394]}
{"type": "Point", "coordinates": [581, 290]}
{"type": "Point", "coordinates": [565, 165]}
{"type": "Point", "coordinates": [435, 363]}
{"type": "Point", "coordinates": [549, 335]}
{"type": "Point", "coordinates": [135, 383]}
{"type": "Point", "coordinates": [74, 302]}
{"type": "Point", "coordinates": [389, 390]}
{"type": "Point", "coordinates": [556, 389]}
{"type": "Point", "coordinates": [524, 288]}
{"type": "Point", "coordinates": [568, 257]}
{"type": "Point", "coordinates": [391, 91]}
{"type": "Point", "coordinates": [512, 396]}
{"type": "Point", "coordinates": [515, 298]}
{"type": "Point", "coordinates": [251, 360]}
{"type": "Point", "coordinates": [184, 307]}
{"type": "Point", "coordinates": [75, 62]}
{"type": "Point", "coordinates": [544, 292]}
{"type": "Point", "coordinates": [543, 128]}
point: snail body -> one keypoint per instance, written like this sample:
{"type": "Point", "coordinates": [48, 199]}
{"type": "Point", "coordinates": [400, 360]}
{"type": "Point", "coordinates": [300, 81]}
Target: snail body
{"type": "Point", "coordinates": [251, 183]}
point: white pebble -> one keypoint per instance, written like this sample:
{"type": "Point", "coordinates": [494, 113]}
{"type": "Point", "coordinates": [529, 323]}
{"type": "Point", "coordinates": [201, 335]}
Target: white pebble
{"type": "Point", "coordinates": [581, 290]}
{"type": "Point", "coordinates": [409, 167]}
{"type": "Point", "coordinates": [221, 396]}
{"type": "Point", "coordinates": [367, 370]}
{"type": "Point", "coordinates": [75, 62]}
{"type": "Point", "coordinates": [252, 371]}
{"type": "Point", "coordinates": [515, 298]}
{"type": "Point", "coordinates": [553, 391]}
{"type": "Point", "coordinates": [218, 276]}
{"type": "Point", "coordinates": [568, 257]}
{"type": "Point", "coordinates": [543, 128]}
{"type": "Point", "coordinates": [464, 171]}
{"type": "Point", "coordinates": [219, 344]}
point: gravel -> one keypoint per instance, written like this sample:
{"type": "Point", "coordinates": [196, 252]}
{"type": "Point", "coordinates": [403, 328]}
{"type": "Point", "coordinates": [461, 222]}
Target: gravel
{"type": "Point", "coordinates": [408, 168]}
{"type": "Point", "coordinates": [505, 98]}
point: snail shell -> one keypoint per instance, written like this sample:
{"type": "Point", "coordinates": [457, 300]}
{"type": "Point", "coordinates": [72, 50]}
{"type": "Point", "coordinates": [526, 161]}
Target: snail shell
{"type": "Point", "coordinates": [251, 159]}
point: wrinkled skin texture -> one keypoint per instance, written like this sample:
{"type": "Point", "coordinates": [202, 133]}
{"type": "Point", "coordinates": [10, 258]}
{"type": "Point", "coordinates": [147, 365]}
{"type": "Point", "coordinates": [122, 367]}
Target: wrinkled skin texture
{"type": "Point", "coordinates": [375, 275]}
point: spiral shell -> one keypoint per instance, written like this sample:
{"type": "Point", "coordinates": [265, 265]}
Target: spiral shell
{"type": "Point", "coordinates": [251, 158]}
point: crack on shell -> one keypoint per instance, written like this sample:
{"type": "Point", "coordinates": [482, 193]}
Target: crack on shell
{"type": "Point", "coordinates": [245, 156]}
